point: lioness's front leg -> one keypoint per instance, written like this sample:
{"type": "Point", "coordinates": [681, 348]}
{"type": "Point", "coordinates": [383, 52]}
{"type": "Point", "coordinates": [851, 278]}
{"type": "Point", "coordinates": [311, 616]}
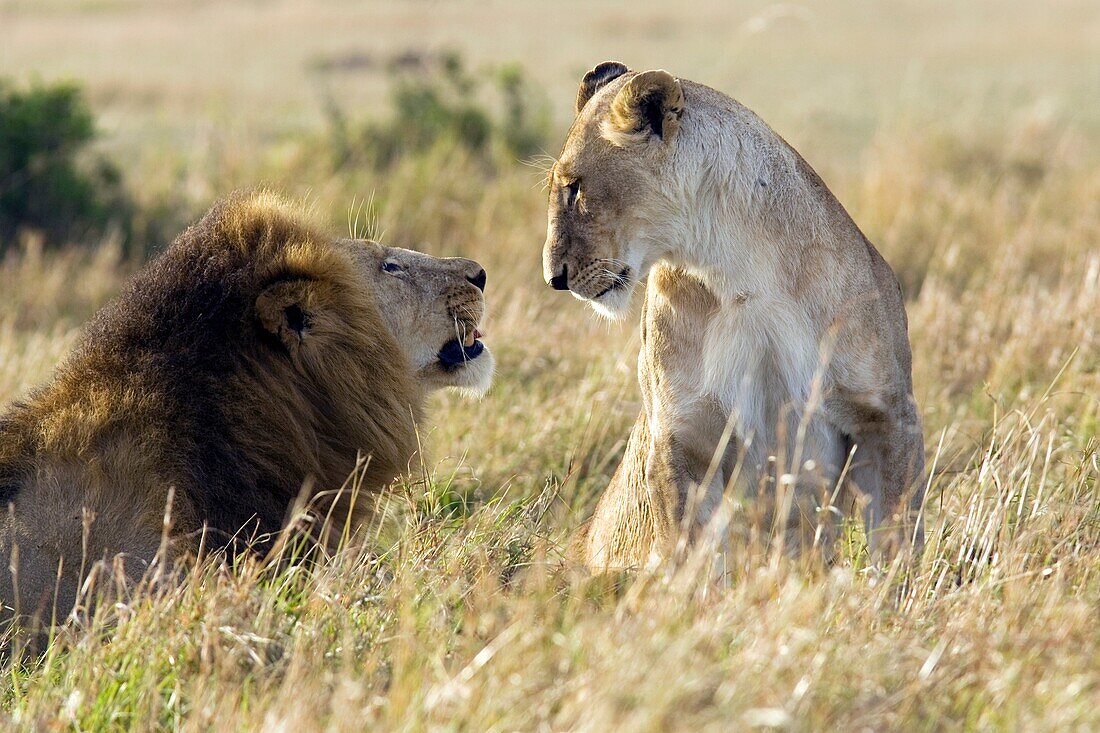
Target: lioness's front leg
{"type": "Point", "coordinates": [657, 494]}
{"type": "Point", "coordinates": [656, 498]}
{"type": "Point", "coordinates": [631, 524]}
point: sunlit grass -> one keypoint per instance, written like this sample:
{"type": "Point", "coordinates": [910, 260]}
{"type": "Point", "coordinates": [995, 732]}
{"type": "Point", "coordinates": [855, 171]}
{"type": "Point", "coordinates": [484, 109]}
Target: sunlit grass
{"type": "Point", "coordinates": [459, 614]}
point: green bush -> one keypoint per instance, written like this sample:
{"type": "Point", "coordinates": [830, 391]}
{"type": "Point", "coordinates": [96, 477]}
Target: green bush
{"type": "Point", "coordinates": [495, 115]}
{"type": "Point", "coordinates": [49, 183]}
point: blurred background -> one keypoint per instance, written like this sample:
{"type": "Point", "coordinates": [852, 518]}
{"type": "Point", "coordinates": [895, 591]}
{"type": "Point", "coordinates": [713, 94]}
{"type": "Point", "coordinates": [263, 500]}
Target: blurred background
{"type": "Point", "coordinates": [189, 98]}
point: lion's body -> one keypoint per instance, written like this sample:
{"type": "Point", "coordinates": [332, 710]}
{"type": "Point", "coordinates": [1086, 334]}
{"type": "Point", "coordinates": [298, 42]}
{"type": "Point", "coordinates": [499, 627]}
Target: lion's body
{"type": "Point", "coordinates": [773, 333]}
{"type": "Point", "coordinates": [182, 387]}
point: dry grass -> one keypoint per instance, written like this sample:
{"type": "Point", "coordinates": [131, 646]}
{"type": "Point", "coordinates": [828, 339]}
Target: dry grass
{"type": "Point", "coordinates": [990, 212]}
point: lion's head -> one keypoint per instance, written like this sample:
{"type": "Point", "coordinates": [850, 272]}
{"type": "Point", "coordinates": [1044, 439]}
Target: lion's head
{"type": "Point", "coordinates": [609, 209]}
{"type": "Point", "coordinates": [432, 306]}
{"type": "Point", "coordinates": [354, 331]}
{"type": "Point", "coordinates": [315, 292]}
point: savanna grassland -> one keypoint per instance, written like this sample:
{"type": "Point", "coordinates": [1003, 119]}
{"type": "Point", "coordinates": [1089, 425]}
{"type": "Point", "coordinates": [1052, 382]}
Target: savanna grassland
{"type": "Point", "coordinates": [963, 138]}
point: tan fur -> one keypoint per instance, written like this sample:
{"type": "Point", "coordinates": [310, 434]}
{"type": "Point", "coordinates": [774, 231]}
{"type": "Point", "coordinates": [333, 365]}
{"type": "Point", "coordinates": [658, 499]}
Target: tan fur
{"type": "Point", "coordinates": [774, 337]}
{"type": "Point", "coordinates": [254, 360]}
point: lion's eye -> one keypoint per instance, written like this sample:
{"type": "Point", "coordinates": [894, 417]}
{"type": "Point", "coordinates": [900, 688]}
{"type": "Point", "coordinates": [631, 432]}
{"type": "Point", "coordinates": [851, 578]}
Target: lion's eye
{"type": "Point", "coordinates": [570, 192]}
{"type": "Point", "coordinates": [392, 267]}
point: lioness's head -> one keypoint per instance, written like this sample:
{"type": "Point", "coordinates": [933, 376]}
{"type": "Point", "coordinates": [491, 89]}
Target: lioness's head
{"type": "Point", "coordinates": [433, 307]}
{"type": "Point", "coordinates": [607, 205]}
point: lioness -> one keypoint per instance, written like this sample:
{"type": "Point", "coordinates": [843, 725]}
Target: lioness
{"type": "Point", "coordinates": [250, 362]}
{"type": "Point", "coordinates": [773, 332]}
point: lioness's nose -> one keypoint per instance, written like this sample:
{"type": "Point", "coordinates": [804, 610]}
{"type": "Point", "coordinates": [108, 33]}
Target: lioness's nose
{"type": "Point", "coordinates": [478, 279]}
{"type": "Point", "coordinates": [561, 280]}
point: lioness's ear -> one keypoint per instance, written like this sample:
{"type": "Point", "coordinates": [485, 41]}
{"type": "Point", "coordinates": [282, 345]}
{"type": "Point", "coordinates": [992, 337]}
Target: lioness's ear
{"type": "Point", "coordinates": [285, 310]}
{"type": "Point", "coordinates": [651, 103]}
{"type": "Point", "coordinates": [596, 78]}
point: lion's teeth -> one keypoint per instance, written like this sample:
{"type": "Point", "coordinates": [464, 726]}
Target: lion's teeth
{"type": "Point", "coordinates": [469, 340]}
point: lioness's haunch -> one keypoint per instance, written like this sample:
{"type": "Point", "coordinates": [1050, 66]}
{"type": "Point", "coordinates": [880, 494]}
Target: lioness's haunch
{"type": "Point", "coordinates": [775, 357]}
{"type": "Point", "coordinates": [255, 357]}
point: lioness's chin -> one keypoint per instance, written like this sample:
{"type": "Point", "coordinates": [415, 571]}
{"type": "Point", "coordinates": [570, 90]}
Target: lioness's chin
{"type": "Point", "coordinates": [614, 305]}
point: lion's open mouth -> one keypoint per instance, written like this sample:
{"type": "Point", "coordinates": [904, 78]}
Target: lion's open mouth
{"type": "Point", "coordinates": [455, 354]}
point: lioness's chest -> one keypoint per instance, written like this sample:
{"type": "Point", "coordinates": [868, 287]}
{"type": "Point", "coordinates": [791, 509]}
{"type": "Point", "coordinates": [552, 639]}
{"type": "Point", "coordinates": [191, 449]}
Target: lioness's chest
{"type": "Point", "coordinates": [752, 357]}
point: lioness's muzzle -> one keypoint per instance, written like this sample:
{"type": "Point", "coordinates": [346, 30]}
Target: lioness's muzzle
{"type": "Point", "coordinates": [561, 280]}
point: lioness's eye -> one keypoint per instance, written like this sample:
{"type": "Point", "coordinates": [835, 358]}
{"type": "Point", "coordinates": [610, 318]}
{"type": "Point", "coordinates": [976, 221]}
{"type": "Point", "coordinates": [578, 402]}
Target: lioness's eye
{"type": "Point", "coordinates": [571, 190]}
{"type": "Point", "coordinates": [392, 267]}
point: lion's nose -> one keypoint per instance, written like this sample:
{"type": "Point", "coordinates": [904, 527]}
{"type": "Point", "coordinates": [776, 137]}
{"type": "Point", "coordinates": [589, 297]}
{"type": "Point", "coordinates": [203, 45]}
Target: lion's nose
{"type": "Point", "coordinates": [561, 281]}
{"type": "Point", "coordinates": [478, 280]}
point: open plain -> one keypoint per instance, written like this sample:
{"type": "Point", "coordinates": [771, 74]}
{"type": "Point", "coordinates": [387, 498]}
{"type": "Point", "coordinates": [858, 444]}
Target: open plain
{"type": "Point", "coordinates": [964, 138]}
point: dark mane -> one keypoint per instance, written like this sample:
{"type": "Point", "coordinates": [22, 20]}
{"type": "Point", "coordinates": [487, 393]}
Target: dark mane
{"type": "Point", "coordinates": [179, 372]}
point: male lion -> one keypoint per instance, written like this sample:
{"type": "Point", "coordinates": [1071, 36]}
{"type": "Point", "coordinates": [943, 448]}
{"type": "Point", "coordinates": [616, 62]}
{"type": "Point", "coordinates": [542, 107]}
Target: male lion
{"type": "Point", "coordinates": [774, 338]}
{"type": "Point", "coordinates": [251, 362]}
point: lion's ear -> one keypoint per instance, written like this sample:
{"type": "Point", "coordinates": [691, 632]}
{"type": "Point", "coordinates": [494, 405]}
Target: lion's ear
{"type": "Point", "coordinates": [596, 78]}
{"type": "Point", "coordinates": [651, 103]}
{"type": "Point", "coordinates": [285, 310]}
